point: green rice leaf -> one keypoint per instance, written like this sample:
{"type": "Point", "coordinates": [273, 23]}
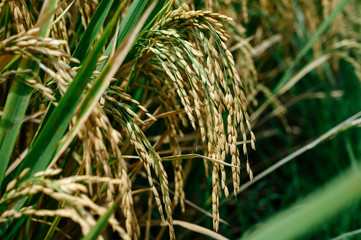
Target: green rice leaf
{"type": "Point", "coordinates": [17, 103]}
{"type": "Point", "coordinates": [313, 211]}
{"type": "Point", "coordinates": [130, 19]}
{"type": "Point", "coordinates": [44, 147]}
{"type": "Point", "coordinates": [101, 224]}
{"type": "Point", "coordinates": [102, 82]}
{"type": "Point", "coordinates": [321, 30]}
{"type": "Point", "coordinates": [92, 30]}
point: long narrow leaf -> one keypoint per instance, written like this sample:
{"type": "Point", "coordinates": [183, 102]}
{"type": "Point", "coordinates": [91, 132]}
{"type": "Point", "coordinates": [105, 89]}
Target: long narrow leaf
{"type": "Point", "coordinates": [130, 19]}
{"type": "Point", "coordinates": [101, 224]}
{"type": "Point", "coordinates": [323, 27]}
{"type": "Point", "coordinates": [313, 211]}
{"type": "Point", "coordinates": [11, 121]}
{"type": "Point", "coordinates": [17, 102]}
{"type": "Point", "coordinates": [287, 76]}
{"type": "Point", "coordinates": [44, 147]}
{"type": "Point", "coordinates": [16, 105]}
{"type": "Point", "coordinates": [92, 30]}
{"type": "Point", "coordinates": [327, 135]}
{"type": "Point", "coordinates": [102, 82]}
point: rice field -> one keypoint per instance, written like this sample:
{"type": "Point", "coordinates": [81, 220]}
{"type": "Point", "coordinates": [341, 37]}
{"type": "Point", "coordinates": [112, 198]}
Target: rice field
{"type": "Point", "coordinates": [179, 119]}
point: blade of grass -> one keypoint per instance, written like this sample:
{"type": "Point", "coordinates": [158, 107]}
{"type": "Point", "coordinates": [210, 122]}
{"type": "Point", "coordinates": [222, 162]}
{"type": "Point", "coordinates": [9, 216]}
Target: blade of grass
{"type": "Point", "coordinates": [52, 228]}
{"type": "Point", "coordinates": [350, 122]}
{"type": "Point", "coordinates": [323, 27]}
{"type": "Point", "coordinates": [44, 147]}
{"type": "Point", "coordinates": [101, 224]}
{"type": "Point", "coordinates": [291, 82]}
{"type": "Point", "coordinates": [17, 102]}
{"type": "Point", "coordinates": [304, 71]}
{"type": "Point", "coordinates": [16, 105]}
{"type": "Point", "coordinates": [286, 77]}
{"type": "Point", "coordinates": [102, 82]}
{"type": "Point", "coordinates": [15, 229]}
{"type": "Point", "coordinates": [46, 16]}
{"type": "Point", "coordinates": [11, 121]}
{"type": "Point", "coordinates": [39, 157]}
{"type": "Point", "coordinates": [6, 23]}
{"type": "Point", "coordinates": [84, 45]}
{"type": "Point", "coordinates": [131, 17]}
{"type": "Point", "coordinates": [312, 211]}
{"type": "Point", "coordinates": [92, 30]}
{"type": "Point", "coordinates": [130, 20]}
{"type": "Point", "coordinates": [347, 235]}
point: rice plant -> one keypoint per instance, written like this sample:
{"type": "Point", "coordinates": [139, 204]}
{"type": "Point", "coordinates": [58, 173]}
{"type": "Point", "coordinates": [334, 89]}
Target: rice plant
{"type": "Point", "coordinates": [123, 119]}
